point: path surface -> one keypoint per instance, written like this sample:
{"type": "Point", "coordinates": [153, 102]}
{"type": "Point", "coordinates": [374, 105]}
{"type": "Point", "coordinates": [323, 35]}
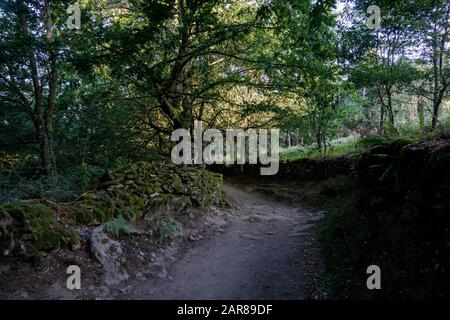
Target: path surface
{"type": "Point", "coordinates": [270, 251]}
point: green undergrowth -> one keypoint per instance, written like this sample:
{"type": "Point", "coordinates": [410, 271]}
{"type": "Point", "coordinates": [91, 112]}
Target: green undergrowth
{"type": "Point", "coordinates": [336, 148]}
{"type": "Point", "coordinates": [118, 227]}
{"type": "Point", "coordinates": [168, 228]}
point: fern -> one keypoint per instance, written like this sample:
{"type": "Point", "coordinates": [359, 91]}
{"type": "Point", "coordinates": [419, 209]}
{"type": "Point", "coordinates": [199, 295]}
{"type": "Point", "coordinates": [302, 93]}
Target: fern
{"type": "Point", "coordinates": [169, 228]}
{"type": "Point", "coordinates": [119, 226]}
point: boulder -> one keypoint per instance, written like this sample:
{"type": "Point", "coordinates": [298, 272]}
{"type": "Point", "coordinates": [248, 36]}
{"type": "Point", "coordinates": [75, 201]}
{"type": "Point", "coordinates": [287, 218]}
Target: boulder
{"type": "Point", "coordinates": [7, 242]}
{"type": "Point", "coordinates": [110, 254]}
{"type": "Point", "coordinates": [27, 227]}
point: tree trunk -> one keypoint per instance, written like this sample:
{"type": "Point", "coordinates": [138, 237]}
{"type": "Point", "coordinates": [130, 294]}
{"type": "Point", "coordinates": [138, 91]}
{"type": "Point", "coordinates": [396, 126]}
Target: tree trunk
{"type": "Point", "coordinates": [434, 121]}
{"type": "Point", "coordinates": [420, 114]}
{"type": "Point", "coordinates": [441, 83]}
{"type": "Point", "coordinates": [319, 141]}
{"type": "Point", "coordinates": [437, 106]}
{"type": "Point", "coordinates": [46, 148]}
{"type": "Point", "coordinates": [41, 111]}
{"type": "Point", "coordinates": [48, 159]}
{"type": "Point", "coordinates": [382, 119]}
{"type": "Point", "coordinates": [435, 89]}
{"type": "Point", "coordinates": [389, 107]}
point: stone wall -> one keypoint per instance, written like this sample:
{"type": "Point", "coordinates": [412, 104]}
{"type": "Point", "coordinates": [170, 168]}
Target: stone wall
{"type": "Point", "coordinates": [302, 169]}
{"type": "Point", "coordinates": [146, 188]}
{"type": "Point", "coordinates": [135, 192]}
{"type": "Point", "coordinates": [400, 221]}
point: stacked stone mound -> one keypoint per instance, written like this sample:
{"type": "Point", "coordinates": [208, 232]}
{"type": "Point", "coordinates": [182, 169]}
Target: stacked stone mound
{"type": "Point", "coordinates": [29, 227]}
{"type": "Point", "coordinates": [147, 188]}
{"type": "Point", "coordinates": [141, 190]}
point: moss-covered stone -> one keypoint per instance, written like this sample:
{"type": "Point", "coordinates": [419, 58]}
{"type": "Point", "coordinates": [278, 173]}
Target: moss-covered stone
{"type": "Point", "coordinates": [143, 188]}
{"type": "Point", "coordinates": [33, 218]}
{"type": "Point", "coordinates": [70, 240]}
{"type": "Point", "coordinates": [395, 147]}
{"type": "Point", "coordinates": [31, 227]}
{"type": "Point", "coordinates": [440, 157]}
{"type": "Point", "coordinates": [49, 239]}
{"type": "Point", "coordinates": [132, 192]}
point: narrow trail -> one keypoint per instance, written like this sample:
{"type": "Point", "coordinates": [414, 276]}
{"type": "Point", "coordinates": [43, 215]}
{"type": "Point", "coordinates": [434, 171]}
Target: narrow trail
{"type": "Point", "coordinates": [269, 251]}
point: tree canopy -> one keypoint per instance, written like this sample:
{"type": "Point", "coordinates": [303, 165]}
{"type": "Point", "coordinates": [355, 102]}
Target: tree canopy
{"type": "Point", "coordinates": [136, 70]}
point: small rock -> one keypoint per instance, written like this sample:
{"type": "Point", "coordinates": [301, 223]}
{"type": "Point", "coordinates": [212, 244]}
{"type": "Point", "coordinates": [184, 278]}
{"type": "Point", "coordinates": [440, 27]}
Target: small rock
{"type": "Point", "coordinates": [250, 237]}
{"type": "Point", "coordinates": [216, 221]}
{"type": "Point", "coordinates": [162, 275]}
{"type": "Point", "coordinates": [158, 270]}
{"type": "Point", "coordinates": [140, 276]}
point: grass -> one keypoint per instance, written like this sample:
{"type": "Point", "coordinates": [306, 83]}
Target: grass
{"type": "Point", "coordinates": [336, 148]}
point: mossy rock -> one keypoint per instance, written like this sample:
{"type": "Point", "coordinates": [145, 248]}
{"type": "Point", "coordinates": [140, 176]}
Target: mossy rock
{"type": "Point", "coordinates": [391, 148]}
{"type": "Point", "coordinates": [36, 219]}
{"type": "Point", "coordinates": [49, 239]}
{"type": "Point", "coordinates": [70, 240]}
{"type": "Point", "coordinates": [440, 157]}
{"type": "Point", "coordinates": [413, 155]}
{"type": "Point", "coordinates": [396, 146]}
{"type": "Point", "coordinates": [84, 215]}
{"type": "Point", "coordinates": [130, 191]}
{"type": "Point", "coordinates": [437, 180]}
{"type": "Point", "coordinates": [33, 226]}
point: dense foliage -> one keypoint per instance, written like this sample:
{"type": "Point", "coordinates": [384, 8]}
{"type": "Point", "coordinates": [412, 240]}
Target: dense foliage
{"type": "Point", "coordinates": [102, 100]}
{"type": "Point", "coordinates": [112, 91]}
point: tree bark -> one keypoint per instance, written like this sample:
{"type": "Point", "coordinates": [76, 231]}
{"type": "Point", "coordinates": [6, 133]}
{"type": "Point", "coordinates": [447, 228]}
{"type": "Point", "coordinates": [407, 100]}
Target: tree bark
{"type": "Point", "coordinates": [420, 114]}
{"type": "Point", "coordinates": [40, 111]}
{"type": "Point", "coordinates": [441, 82]}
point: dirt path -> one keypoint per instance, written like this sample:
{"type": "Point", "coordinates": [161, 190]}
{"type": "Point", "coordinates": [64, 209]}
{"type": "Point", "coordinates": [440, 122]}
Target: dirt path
{"type": "Point", "coordinates": [270, 251]}
{"type": "Point", "coordinates": [262, 249]}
